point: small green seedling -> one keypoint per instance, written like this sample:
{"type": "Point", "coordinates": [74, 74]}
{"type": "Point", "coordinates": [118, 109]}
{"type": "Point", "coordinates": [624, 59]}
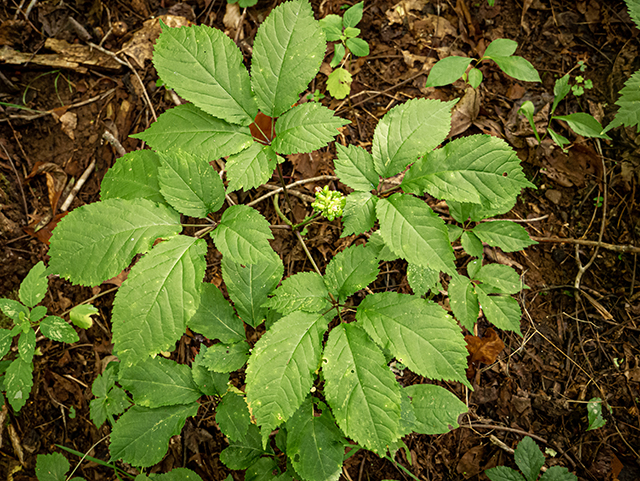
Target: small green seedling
{"type": "Point", "coordinates": [594, 414]}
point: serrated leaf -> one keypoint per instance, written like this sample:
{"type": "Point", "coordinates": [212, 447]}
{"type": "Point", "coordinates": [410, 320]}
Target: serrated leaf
{"type": "Point", "coordinates": [353, 15]}
{"type": "Point", "coordinates": [133, 176]}
{"type": "Point", "coordinates": [243, 453]}
{"type": "Point", "coordinates": [34, 285]}
{"type": "Point", "coordinates": [379, 248]}
{"type": "Point", "coordinates": [558, 473]}
{"type": "Point", "coordinates": [315, 444]}
{"type": "Point", "coordinates": [594, 414]}
{"type": "Point", "coordinates": [225, 358]}
{"type": "Point", "coordinates": [189, 184]}
{"type": "Point", "coordinates": [119, 230]}
{"type": "Point", "coordinates": [37, 313]}
{"type": "Point", "coordinates": [6, 338]}
{"type": "Point", "coordinates": [517, 67]}
{"type": "Point", "coordinates": [501, 311]}
{"type": "Point", "coordinates": [58, 329]}
{"type": "Point", "coordinates": [529, 458]}
{"type": "Point", "coordinates": [473, 267]}
{"type": "Point", "coordinates": [115, 403]}
{"type": "Point", "coordinates": [159, 382]}
{"type": "Point", "coordinates": [251, 167]}
{"type": "Point", "coordinates": [634, 11]}
{"type": "Point", "coordinates": [204, 66]}
{"type": "Point", "coordinates": [629, 102]}
{"type": "Point", "coordinates": [192, 130]}
{"type": "Point", "coordinates": [503, 473]}
{"type": "Point", "coordinates": [359, 213]}
{"type": "Point", "coordinates": [18, 380]}
{"type": "Point", "coordinates": [417, 332]}
{"type": "Point", "coordinates": [463, 301]}
{"type": "Point", "coordinates": [501, 47]}
{"type": "Point", "coordinates": [339, 83]}
{"type": "Point", "coordinates": [51, 467]}
{"type": "Point", "coordinates": [413, 231]}
{"type": "Point", "coordinates": [178, 474]}
{"type": "Point", "coordinates": [408, 131]}
{"type": "Point", "coordinates": [27, 345]}
{"type": "Point", "coordinates": [560, 90]}
{"type": "Point", "coordinates": [262, 470]}
{"type": "Point", "coordinates": [361, 390]}
{"type": "Point", "coordinates": [506, 235]}
{"type": "Point", "coordinates": [332, 27]}
{"type": "Point", "coordinates": [447, 71]}
{"type": "Point", "coordinates": [422, 279]}
{"type": "Point", "coordinates": [355, 168]}
{"type": "Point", "coordinates": [232, 416]}
{"type": "Point", "coordinates": [81, 314]}
{"type": "Point", "coordinates": [471, 244]}
{"type": "Point", "coordinates": [12, 309]}
{"type": "Point", "coordinates": [351, 270]}
{"type": "Point", "coordinates": [584, 124]}
{"type": "Point", "coordinates": [249, 286]}
{"type": "Point", "coordinates": [281, 368]}
{"type": "Point", "coordinates": [304, 291]}
{"type": "Point", "coordinates": [454, 232]}
{"type": "Point", "coordinates": [210, 383]}
{"type": "Point", "coordinates": [215, 318]}
{"type": "Point", "coordinates": [436, 409]}
{"type": "Point", "coordinates": [141, 436]}
{"type": "Point", "coordinates": [499, 279]}
{"type": "Point", "coordinates": [358, 46]}
{"type": "Point", "coordinates": [243, 235]}
{"type": "Point", "coordinates": [287, 53]}
{"type": "Point", "coordinates": [479, 169]}
{"type": "Point", "coordinates": [151, 309]}
{"type": "Point", "coordinates": [306, 128]}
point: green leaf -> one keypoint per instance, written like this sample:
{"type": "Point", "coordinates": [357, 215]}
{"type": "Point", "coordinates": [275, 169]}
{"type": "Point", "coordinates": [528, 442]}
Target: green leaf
{"type": "Point", "coordinates": [408, 131]}
{"type": "Point", "coordinates": [6, 338]}
{"type": "Point", "coordinates": [353, 15]}
{"type": "Point", "coordinates": [103, 407]}
{"type": "Point", "coordinates": [34, 285]}
{"type": "Point", "coordinates": [339, 83]}
{"type": "Point", "coordinates": [225, 358]}
{"type": "Point", "coordinates": [503, 473]}
{"type": "Point", "coordinates": [463, 301]}
{"type": "Point", "coordinates": [413, 231]}
{"type": "Point", "coordinates": [528, 109]}
{"type": "Point", "coordinates": [141, 436]}
{"type": "Point", "coordinates": [559, 139]}
{"type": "Point", "coordinates": [151, 309]}
{"type": "Point", "coordinates": [358, 46]}
{"type": "Point", "coordinates": [18, 380]}
{"type": "Point", "coordinates": [634, 11]}
{"type": "Point", "coordinates": [359, 213]}
{"type": "Point", "coordinates": [557, 473]}
{"type": "Point", "coordinates": [454, 232]}
{"type": "Point", "coordinates": [159, 382]}
{"type": "Point", "coordinates": [51, 467]}
{"type": "Point", "coordinates": [480, 169]}
{"type": "Point", "coordinates": [133, 176]}
{"type": "Point", "coordinates": [422, 280]}
{"type": "Point", "coordinates": [281, 368]}
{"type": "Point", "coordinates": [560, 90]}
{"type": "Point", "coordinates": [472, 245]}
{"type": "Point", "coordinates": [58, 329]}
{"type": "Point", "coordinates": [81, 314]}
{"type": "Point", "coordinates": [306, 128]}
{"type": "Point", "coordinates": [204, 66]}
{"type": "Point", "coordinates": [251, 167]}
{"type": "Point", "coordinates": [119, 229]}
{"type": "Point", "coordinates": [379, 248]}
{"type": "Point", "coordinates": [629, 102]}
{"type": "Point", "coordinates": [243, 235]}
{"type": "Point", "coordinates": [474, 267]}
{"type": "Point", "coordinates": [210, 383]}
{"type": "Point", "coordinates": [436, 409]}
{"type": "Point", "coordinates": [262, 470]}
{"type": "Point", "coordinates": [418, 333]}
{"type": "Point", "coordinates": [37, 313]}
{"type": "Point", "coordinates": [518, 68]}
{"type": "Point", "coordinates": [506, 235]}
{"type": "Point", "coordinates": [248, 286]}
{"type": "Point", "coordinates": [499, 279]}
{"type": "Point", "coordinates": [232, 416]}
{"type": "Point", "coordinates": [332, 27]}
{"type": "Point", "coordinates": [501, 311]}
{"type": "Point", "coordinates": [287, 53]}
{"type": "Point", "coordinates": [192, 130]}
{"type": "Point", "coordinates": [338, 55]}
{"type": "Point", "coordinates": [355, 168]}
{"type": "Point", "coordinates": [190, 184]}
{"type": "Point", "coordinates": [361, 390]}
{"type": "Point", "coordinates": [594, 414]}
{"type": "Point", "coordinates": [475, 77]}
{"type": "Point", "coordinates": [27, 345]}
{"type": "Point", "coordinates": [350, 271]}
{"type": "Point", "coordinates": [501, 47]}
{"type": "Point", "coordinates": [351, 32]}
{"type": "Point", "coordinates": [529, 458]}
{"type": "Point", "coordinates": [12, 309]}
{"type": "Point", "coordinates": [447, 71]}
{"type": "Point", "coordinates": [584, 124]}
{"type": "Point", "coordinates": [215, 318]}
{"type": "Point", "coordinates": [243, 453]}
{"type": "Point", "coordinates": [178, 474]}
{"type": "Point", "coordinates": [315, 445]}
{"type": "Point", "coordinates": [304, 291]}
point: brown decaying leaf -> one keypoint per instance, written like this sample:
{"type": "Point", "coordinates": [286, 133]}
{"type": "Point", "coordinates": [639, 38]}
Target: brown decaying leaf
{"type": "Point", "coordinates": [44, 233]}
{"type": "Point", "coordinates": [262, 128]}
{"type": "Point", "coordinates": [484, 349]}
{"type": "Point", "coordinates": [56, 180]}
{"type": "Point", "coordinates": [140, 47]}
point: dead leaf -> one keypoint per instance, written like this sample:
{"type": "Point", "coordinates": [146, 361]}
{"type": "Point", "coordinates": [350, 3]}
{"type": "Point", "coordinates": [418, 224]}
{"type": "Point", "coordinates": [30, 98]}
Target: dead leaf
{"type": "Point", "coordinates": [232, 16]}
{"type": "Point", "coordinates": [262, 128]}
{"type": "Point", "coordinates": [400, 12]}
{"type": "Point", "coordinates": [56, 180]}
{"type": "Point", "coordinates": [465, 112]}
{"type": "Point", "coordinates": [469, 464]}
{"type": "Point", "coordinates": [140, 47]}
{"type": "Point", "coordinates": [484, 349]}
{"type": "Point", "coordinates": [44, 233]}
{"type": "Point", "coordinates": [68, 123]}
{"type": "Point", "coordinates": [410, 58]}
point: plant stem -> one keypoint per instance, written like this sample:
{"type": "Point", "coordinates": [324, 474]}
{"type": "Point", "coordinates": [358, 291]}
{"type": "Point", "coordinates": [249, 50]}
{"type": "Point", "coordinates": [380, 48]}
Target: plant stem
{"type": "Point", "coordinates": [306, 251]}
{"type": "Point", "coordinates": [284, 188]}
{"type": "Point", "coordinates": [276, 199]}
{"type": "Point", "coordinates": [397, 465]}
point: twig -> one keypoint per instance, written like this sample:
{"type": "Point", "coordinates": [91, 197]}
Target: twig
{"type": "Point", "coordinates": [15, 171]}
{"type": "Point", "coordinates": [505, 428]}
{"type": "Point", "coordinates": [520, 221]}
{"type": "Point", "coordinates": [295, 193]}
{"type": "Point", "coordinates": [76, 188]}
{"type": "Point", "coordinates": [109, 137]}
{"type": "Point", "coordinates": [612, 247]}
{"type": "Point", "coordinates": [300, 182]}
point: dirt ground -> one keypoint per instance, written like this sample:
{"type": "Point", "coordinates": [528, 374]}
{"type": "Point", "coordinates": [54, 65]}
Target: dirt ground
{"type": "Point", "coordinates": [576, 346]}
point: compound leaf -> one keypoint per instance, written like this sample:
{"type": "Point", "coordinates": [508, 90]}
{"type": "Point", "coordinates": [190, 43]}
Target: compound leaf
{"type": "Point", "coordinates": [204, 66]}
{"type": "Point", "coordinates": [34, 286]}
{"type": "Point", "coordinates": [304, 291]}
{"type": "Point", "coordinates": [215, 317]}
{"type": "Point", "coordinates": [27, 345]}
{"type": "Point", "coordinates": [501, 311]}
{"type": "Point", "coordinates": [417, 332]}
{"type": "Point", "coordinates": [413, 231]}
{"type": "Point", "coordinates": [629, 102]}
{"type": "Point", "coordinates": [57, 329]}
{"type": "Point", "coordinates": [244, 452]}
{"type": "Point", "coordinates": [408, 131]}
{"type": "Point", "coordinates": [223, 358]}
{"type": "Point", "coordinates": [463, 301]}
{"type": "Point", "coordinates": [306, 128]}
{"type": "Point", "coordinates": [351, 270]}
{"type": "Point", "coordinates": [119, 230]}
{"type": "Point", "coordinates": [436, 409]}
{"type": "Point", "coordinates": [18, 380]}
{"type": "Point", "coordinates": [529, 458]}
{"type": "Point", "coordinates": [359, 213]}
{"type": "Point", "coordinates": [188, 128]}
{"type": "Point", "coordinates": [447, 71]}
{"type": "Point", "coordinates": [189, 184]}
{"type": "Point", "coordinates": [133, 176]}
{"type": "Point", "coordinates": [355, 168]}
{"type": "Point", "coordinates": [159, 382]}
{"type": "Point", "coordinates": [210, 383]}
{"type": "Point", "coordinates": [499, 279]}
{"type": "Point", "coordinates": [517, 67]}
{"type": "Point", "coordinates": [151, 309]}
{"type": "Point", "coordinates": [281, 368]}
{"type": "Point", "coordinates": [251, 167]}
{"type": "Point", "coordinates": [361, 390]}
{"type": "Point", "coordinates": [287, 53]}
{"type": "Point", "coordinates": [504, 234]}
{"type": "Point", "coordinates": [232, 416]}
{"type": "Point", "coordinates": [141, 436]}
{"type": "Point", "coordinates": [243, 235]}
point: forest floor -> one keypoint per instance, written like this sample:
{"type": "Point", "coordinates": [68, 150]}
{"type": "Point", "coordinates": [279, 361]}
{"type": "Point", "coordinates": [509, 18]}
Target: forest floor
{"type": "Point", "coordinates": [577, 345]}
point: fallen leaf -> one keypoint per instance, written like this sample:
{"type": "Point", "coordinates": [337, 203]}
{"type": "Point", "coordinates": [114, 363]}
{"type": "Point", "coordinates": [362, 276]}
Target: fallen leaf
{"type": "Point", "coordinates": [140, 47]}
{"type": "Point", "coordinates": [69, 122]}
{"type": "Point", "coordinates": [56, 180]}
{"type": "Point", "coordinates": [484, 349]}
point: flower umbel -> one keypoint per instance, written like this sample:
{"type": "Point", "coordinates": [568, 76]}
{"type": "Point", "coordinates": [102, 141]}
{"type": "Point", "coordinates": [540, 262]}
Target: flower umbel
{"type": "Point", "coordinates": [329, 202]}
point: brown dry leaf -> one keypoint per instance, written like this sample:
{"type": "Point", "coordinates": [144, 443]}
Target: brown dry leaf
{"type": "Point", "coordinates": [469, 464]}
{"type": "Point", "coordinates": [465, 112]}
{"type": "Point", "coordinates": [68, 123]}
{"type": "Point", "coordinates": [140, 47]}
{"type": "Point", "coordinates": [56, 180]}
{"type": "Point", "coordinates": [44, 233]}
{"type": "Point", "coordinates": [401, 11]}
{"type": "Point", "coordinates": [571, 168]}
{"type": "Point", "coordinates": [232, 16]}
{"type": "Point", "coordinates": [484, 349]}
{"type": "Point", "coordinates": [119, 279]}
{"type": "Point", "coordinates": [16, 443]}
{"type": "Point", "coordinates": [410, 58]}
